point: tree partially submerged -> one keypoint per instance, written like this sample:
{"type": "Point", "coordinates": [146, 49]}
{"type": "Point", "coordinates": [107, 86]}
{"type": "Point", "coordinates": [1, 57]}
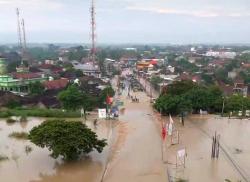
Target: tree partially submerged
{"type": "Point", "coordinates": [67, 139]}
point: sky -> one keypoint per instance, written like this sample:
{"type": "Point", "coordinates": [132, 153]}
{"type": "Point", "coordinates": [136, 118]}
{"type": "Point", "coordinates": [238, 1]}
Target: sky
{"type": "Point", "coordinates": [128, 21]}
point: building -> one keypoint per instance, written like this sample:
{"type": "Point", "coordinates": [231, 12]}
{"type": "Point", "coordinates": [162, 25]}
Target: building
{"type": "Point", "coordinates": [109, 66]}
{"type": "Point", "coordinates": [19, 81]}
{"type": "Point", "coordinates": [88, 69]}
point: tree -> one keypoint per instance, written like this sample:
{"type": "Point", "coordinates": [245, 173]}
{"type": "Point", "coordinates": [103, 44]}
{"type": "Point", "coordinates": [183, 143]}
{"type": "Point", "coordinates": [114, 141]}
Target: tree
{"type": "Point", "coordinates": [67, 139]}
{"type": "Point", "coordinates": [237, 103]}
{"type": "Point", "coordinates": [199, 98]}
{"type": "Point", "coordinates": [108, 91]}
{"type": "Point", "coordinates": [78, 73]}
{"type": "Point", "coordinates": [155, 81]}
{"type": "Point", "coordinates": [71, 98]}
{"type": "Point", "coordinates": [36, 88]}
{"type": "Point", "coordinates": [180, 87]}
{"type": "Point", "coordinates": [186, 96]}
{"type": "Point", "coordinates": [169, 104]}
{"type": "Point", "coordinates": [215, 98]}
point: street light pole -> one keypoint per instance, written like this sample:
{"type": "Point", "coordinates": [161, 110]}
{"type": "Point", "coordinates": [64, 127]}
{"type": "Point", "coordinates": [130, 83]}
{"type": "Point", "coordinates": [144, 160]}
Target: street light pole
{"type": "Point", "coordinates": [223, 107]}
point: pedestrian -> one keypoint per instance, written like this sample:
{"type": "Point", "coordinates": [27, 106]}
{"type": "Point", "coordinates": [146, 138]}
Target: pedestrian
{"type": "Point", "coordinates": [95, 122]}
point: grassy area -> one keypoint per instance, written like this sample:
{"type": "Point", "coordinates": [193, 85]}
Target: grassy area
{"type": "Point", "coordinates": [3, 158]}
{"type": "Point", "coordinates": [39, 113]}
{"type": "Point", "coordinates": [9, 120]}
{"type": "Point", "coordinates": [19, 135]}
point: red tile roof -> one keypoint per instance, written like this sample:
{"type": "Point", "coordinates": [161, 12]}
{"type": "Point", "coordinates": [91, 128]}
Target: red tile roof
{"type": "Point", "coordinates": [246, 65]}
{"type": "Point", "coordinates": [25, 75]}
{"type": "Point", "coordinates": [53, 68]}
{"type": "Point", "coordinates": [56, 84]}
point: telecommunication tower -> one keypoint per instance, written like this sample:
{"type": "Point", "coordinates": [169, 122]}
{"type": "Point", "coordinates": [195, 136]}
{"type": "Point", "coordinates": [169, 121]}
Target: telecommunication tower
{"type": "Point", "coordinates": [24, 35]}
{"type": "Point", "coordinates": [93, 32]}
{"type": "Point", "coordinates": [19, 30]}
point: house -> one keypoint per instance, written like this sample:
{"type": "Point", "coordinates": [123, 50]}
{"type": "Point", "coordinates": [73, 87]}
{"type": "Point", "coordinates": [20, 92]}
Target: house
{"type": "Point", "coordinates": [240, 88]}
{"type": "Point", "coordinates": [56, 84]}
{"type": "Point", "coordinates": [88, 69]}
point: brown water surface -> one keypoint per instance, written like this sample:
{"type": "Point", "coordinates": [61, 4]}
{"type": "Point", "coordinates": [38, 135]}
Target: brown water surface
{"type": "Point", "coordinates": [37, 165]}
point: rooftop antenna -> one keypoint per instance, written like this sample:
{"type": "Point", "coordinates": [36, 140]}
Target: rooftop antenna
{"type": "Point", "coordinates": [24, 35]}
{"type": "Point", "coordinates": [19, 29]}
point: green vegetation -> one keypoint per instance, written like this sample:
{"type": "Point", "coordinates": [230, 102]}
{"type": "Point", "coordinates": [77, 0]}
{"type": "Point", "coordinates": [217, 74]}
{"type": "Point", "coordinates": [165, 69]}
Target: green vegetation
{"type": "Point", "coordinates": [40, 54]}
{"type": "Point", "coordinates": [67, 139]}
{"type": "Point", "coordinates": [19, 135]}
{"type": "Point", "coordinates": [13, 104]}
{"type": "Point", "coordinates": [73, 99]}
{"type": "Point", "coordinates": [10, 120]}
{"type": "Point", "coordinates": [155, 81]}
{"type": "Point", "coordinates": [36, 88]}
{"type": "Point", "coordinates": [181, 180]}
{"type": "Point", "coordinates": [35, 112]}
{"type": "Point", "coordinates": [184, 65]}
{"type": "Point", "coordinates": [186, 96]}
{"type": "Point", "coordinates": [109, 91]}
{"type": "Point", "coordinates": [77, 53]}
{"type": "Point", "coordinates": [237, 103]}
{"type": "Point", "coordinates": [23, 118]}
{"type": "Point", "coordinates": [3, 158]}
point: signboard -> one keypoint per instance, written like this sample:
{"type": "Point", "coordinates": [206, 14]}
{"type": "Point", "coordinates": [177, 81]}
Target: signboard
{"type": "Point", "coordinates": [240, 113]}
{"type": "Point", "coordinates": [181, 158]}
{"type": "Point", "coordinates": [102, 113]}
{"type": "Point", "coordinates": [181, 153]}
{"type": "Point", "coordinates": [247, 113]}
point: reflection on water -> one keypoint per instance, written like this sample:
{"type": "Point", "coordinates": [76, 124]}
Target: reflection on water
{"type": "Point", "coordinates": [30, 163]}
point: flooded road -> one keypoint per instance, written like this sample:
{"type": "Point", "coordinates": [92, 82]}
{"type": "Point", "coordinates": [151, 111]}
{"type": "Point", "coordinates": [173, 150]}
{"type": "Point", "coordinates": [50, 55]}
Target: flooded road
{"type": "Point", "coordinates": [139, 156]}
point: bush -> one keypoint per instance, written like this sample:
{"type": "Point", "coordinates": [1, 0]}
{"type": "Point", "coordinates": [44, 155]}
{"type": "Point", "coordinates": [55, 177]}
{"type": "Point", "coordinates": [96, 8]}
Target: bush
{"type": "Point", "coordinates": [10, 120]}
{"type": "Point", "coordinates": [40, 113]}
{"type": "Point", "coordinates": [19, 135]}
{"type": "Point", "coordinates": [13, 104]}
{"type": "Point", "coordinates": [3, 158]}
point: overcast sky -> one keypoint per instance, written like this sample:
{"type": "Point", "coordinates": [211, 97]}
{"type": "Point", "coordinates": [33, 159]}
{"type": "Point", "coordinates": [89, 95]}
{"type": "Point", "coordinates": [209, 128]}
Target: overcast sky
{"type": "Point", "coordinates": [129, 21]}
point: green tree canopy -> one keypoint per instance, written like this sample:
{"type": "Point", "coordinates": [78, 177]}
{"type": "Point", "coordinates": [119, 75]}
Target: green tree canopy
{"type": "Point", "coordinates": [108, 91]}
{"type": "Point", "coordinates": [67, 139]}
{"type": "Point", "coordinates": [36, 88]}
{"type": "Point", "coordinates": [73, 99]}
{"type": "Point", "coordinates": [180, 87]}
{"type": "Point", "coordinates": [186, 96]}
{"type": "Point", "coordinates": [155, 80]}
{"type": "Point", "coordinates": [237, 103]}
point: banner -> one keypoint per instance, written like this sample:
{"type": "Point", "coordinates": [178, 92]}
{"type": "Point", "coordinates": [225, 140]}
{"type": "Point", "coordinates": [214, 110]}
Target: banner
{"type": "Point", "coordinates": [102, 113]}
{"type": "Point", "coordinates": [181, 153]}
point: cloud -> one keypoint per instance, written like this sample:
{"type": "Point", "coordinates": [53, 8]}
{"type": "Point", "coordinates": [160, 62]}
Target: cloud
{"type": "Point", "coordinates": [31, 4]}
{"type": "Point", "coordinates": [199, 13]}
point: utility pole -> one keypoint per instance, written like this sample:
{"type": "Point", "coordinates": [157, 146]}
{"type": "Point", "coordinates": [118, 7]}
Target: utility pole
{"type": "Point", "coordinates": [223, 107]}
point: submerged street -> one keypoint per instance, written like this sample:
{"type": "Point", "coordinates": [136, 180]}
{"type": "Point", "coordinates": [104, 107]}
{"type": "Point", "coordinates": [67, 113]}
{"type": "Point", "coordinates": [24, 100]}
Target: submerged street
{"type": "Point", "coordinates": [138, 156]}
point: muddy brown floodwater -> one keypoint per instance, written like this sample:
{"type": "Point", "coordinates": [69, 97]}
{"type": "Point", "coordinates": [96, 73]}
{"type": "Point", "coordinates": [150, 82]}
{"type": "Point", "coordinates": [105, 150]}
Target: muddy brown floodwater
{"type": "Point", "coordinates": [37, 165]}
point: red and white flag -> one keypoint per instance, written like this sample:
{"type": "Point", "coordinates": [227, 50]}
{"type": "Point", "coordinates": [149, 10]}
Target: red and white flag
{"type": "Point", "coordinates": [170, 126]}
{"type": "Point", "coordinates": [163, 132]}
